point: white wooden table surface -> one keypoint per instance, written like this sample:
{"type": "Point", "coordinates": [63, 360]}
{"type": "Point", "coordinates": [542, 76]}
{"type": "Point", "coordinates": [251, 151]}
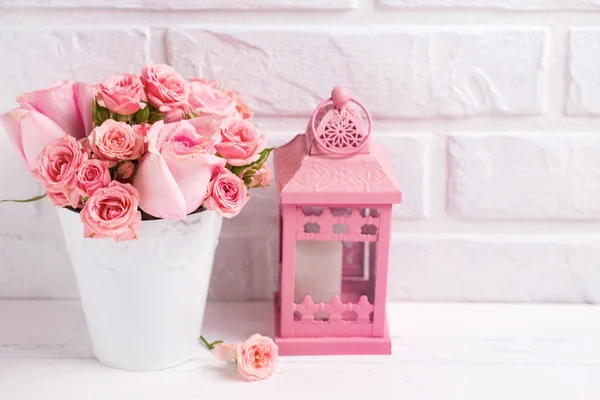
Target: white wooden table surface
{"type": "Point", "coordinates": [440, 351]}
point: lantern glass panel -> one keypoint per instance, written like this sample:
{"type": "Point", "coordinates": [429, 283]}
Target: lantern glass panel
{"type": "Point", "coordinates": [329, 272]}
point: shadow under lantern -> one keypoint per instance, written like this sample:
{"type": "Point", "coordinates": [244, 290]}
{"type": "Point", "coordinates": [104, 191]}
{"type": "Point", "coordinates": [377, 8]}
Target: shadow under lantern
{"type": "Point", "coordinates": [336, 190]}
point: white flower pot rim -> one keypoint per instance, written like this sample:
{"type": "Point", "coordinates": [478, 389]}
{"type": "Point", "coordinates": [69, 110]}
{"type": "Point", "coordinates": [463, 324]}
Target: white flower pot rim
{"type": "Point", "coordinates": [197, 211]}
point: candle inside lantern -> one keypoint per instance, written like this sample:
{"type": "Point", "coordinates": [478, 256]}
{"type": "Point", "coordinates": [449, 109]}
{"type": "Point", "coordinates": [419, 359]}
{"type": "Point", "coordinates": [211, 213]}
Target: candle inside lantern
{"type": "Point", "coordinates": [318, 270]}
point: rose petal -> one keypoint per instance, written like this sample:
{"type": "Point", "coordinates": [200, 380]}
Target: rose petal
{"type": "Point", "coordinates": [30, 133]}
{"type": "Point", "coordinates": [192, 174]}
{"type": "Point", "coordinates": [159, 194]}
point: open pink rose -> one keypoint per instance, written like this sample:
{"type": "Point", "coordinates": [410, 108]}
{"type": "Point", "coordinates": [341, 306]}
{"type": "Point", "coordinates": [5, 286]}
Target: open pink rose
{"type": "Point", "coordinates": [173, 176]}
{"type": "Point", "coordinates": [68, 104]}
{"type": "Point", "coordinates": [112, 212]}
{"type": "Point", "coordinates": [30, 132]}
{"type": "Point", "coordinates": [57, 170]}
{"type": "Point", "coordinates": [241, 143]}
{"type": "Point", "coordinates": [165, 88]}
{"type": "Point", "coordinates": [122, 94]}
{"type": "Point", "coordinates": [91, 176]}
{"type": "Point", "coordinates": [259, 178]}
{"type": "Point", "coordinates": [116, 141]}
{"type": "Point", "coordinates": [257, 358]}
{"type": "Point", "coordinates": [207, 99]}
{"type": "Point", "coordinates": [227, 194]}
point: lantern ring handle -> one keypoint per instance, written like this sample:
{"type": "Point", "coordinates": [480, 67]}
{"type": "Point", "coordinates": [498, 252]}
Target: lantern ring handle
{"type": "Point", "coordinates": [334, 150]}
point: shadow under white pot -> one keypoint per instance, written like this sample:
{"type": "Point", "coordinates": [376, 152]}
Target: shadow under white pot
{"type": "Point", "coordinates": [144, 299]}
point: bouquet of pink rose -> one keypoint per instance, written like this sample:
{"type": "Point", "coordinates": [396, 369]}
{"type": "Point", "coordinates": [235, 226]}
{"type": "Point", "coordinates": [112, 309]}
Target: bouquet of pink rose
{"type": "Point", "coordinates": [139, 147]}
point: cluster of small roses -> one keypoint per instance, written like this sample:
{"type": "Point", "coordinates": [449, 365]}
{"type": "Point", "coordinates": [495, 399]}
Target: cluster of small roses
{"type": "Point", "coordinates": [154, 143]}
{"type": "Point", "coordinates": [256, 358]}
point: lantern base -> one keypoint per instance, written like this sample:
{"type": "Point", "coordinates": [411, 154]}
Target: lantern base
{"type": "Point", "coordinates": [321, 346]}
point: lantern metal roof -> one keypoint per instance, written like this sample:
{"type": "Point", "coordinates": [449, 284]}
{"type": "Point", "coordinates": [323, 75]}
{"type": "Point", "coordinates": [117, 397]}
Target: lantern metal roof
{"type": "Point", "coordinates": [346, 168]}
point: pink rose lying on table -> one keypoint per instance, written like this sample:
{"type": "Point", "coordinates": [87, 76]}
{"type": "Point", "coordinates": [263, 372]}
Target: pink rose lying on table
{"type": "Point", "coordinates": [227, 194]}
{"type": "Point", "coordinates": [256, 358]}
{"type": "Point", "coordinates": [172, 178]}
{"type": "Point", "coordinates": [57, 169]}
{"type": "Point", "coordinates": [122, 94]}
{"type": "Point", "coordinates": [242, 142]}
{"type": "Point", "coordinates": [112, 212]}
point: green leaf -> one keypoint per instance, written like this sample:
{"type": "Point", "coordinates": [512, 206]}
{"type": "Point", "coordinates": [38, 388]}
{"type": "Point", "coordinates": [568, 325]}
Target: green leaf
{"type": "Point", "coordinates": [154, 117]}
{"type": "Point", "coordinates": [142, 115]}
{"type": "Point", "coordinates": [122, 118]}
{"type": "Point", "coordinates": [36, 198]}
{"type": "Point", "coordinates": [99, 114]}
{"type": "Point", "coordinates": [258, 163]}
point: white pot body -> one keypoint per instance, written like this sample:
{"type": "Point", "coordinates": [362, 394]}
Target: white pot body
{"type": "Point", "coordinates": [144, 299]}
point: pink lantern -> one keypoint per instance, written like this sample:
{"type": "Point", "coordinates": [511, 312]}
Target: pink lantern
{"type": "Point", "coordinates": [336, 191]}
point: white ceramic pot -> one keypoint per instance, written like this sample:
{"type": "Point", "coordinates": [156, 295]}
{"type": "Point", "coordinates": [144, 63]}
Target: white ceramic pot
{"type": "Point", "coordinates": [144, 299]}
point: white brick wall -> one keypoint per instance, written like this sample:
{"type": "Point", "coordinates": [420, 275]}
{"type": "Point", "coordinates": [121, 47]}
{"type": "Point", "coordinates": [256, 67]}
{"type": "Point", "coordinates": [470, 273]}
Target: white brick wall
{"type": "Point", "coordinates": [490, 109]}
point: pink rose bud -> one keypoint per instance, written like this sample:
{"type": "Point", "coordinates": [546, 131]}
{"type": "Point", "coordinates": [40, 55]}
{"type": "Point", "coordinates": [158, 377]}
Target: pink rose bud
{"type": "Point", "coordinates": [116, 141]}
{"type": "Point", "coordinates": [125, 171]}
{"type": "Point", "coordinates": [142, 129]}
{"type": "Point", "coordinates": [68, 104]}
{"type": "Point", "coordinates": [165, 88]}
{"type": "Point", "coordinates": [225, 351]}
{"type": "Point", "coordinates": [258, 179]}
{"type": "Point", "coordinates": [112, 212]}
{"type": "Point", "coordinates": [227, 194]}
{"type": "Point", "coordinates": [257, 358]}
{"type": "Point", "coordinates": [92, 175]}
{"type": "Point", "coordinates": [242, 142]}
{"type": "Point", "coordinates": [172, 178]}
{"type": "Point", "coordinates": [122, 94]}
{"type": "Point", "coordinates": [57, 170]}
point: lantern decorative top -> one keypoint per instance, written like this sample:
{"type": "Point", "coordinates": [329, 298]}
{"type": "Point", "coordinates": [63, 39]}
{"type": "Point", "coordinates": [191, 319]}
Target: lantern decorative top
{"type": "Point", "coordinates": [335, 160]}
{"type": "Point", "coordinates": [336, 127]}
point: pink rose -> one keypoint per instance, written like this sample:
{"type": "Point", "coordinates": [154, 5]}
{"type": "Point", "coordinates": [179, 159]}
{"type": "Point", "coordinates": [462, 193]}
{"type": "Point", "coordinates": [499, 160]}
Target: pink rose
{"type": "Point", "coordinates": [116, 141]}
{"type": "Point", "coordinates": [165, 88]}
{"type": "Point", "coordinates": [172, 178]}
{"type": "Point", "coordinates": [227, 194]}
{"type": "Point", "coordinates": [58, 199]}
{"type": "Point", "coordinates": [240, 106]}
{"type": "Point", "coordinates": [225, 351]}
{"type": "Point", "coordinates": [112, 212]}
{"type": "Point", "coordinates": [259, 178]}
{"type": "Point", "coordinates": [68, 104]}
{"type": "Point", "coordinates": [122, 94]}
{"type": "Point", "coordinates": [206, 99]}
{"type": "Point", "coordinates": [57, 170]}
{"type": "Point", "coordinates": [241, 143]}
{"type": "Point", "coordinates": [257, 358]}
{"type": "Point", "coordinates": [125, 171]}
{"type": "Point", "coordinates": [92, 175]}
{"type": "Point", "coordinates": [30, 132]}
